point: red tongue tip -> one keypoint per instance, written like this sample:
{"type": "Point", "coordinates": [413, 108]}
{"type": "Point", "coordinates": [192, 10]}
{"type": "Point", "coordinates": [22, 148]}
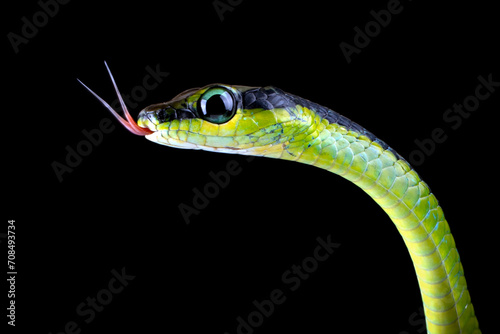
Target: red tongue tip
{"type": "Point", "coordinates": [132, 126]}
{"type": "Point", "coordinates": [142, 131]}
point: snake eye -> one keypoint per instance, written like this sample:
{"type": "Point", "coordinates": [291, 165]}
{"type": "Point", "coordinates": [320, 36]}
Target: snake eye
{"type": "Point", "coordinates": [217, 105]}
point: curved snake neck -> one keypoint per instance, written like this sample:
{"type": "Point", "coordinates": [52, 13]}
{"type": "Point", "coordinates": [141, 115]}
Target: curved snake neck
{"type": "Point", "coordinates": [335, 143]}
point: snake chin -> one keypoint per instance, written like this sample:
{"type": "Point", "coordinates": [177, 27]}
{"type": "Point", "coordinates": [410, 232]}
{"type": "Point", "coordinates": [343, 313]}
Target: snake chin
{"type": "Point", "coordinates": [176, 143]}
{"type": "Point", "coordinates": [156, 137]}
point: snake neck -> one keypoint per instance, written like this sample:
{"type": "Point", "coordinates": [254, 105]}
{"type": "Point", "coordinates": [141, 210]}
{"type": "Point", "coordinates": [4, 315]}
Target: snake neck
{"type": "Point", "coordinates": [387, 178]}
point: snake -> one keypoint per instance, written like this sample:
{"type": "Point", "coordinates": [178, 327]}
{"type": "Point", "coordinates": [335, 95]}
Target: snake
{"type": "Point", "coordinates": [268, 122]}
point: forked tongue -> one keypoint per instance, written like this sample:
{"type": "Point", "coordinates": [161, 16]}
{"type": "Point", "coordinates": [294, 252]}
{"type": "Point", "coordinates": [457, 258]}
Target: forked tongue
{"type": "Point", "coordinates": [129, 123]}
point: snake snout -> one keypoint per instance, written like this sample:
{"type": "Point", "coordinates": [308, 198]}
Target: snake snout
{"type": "Point", "coordinates": [147, 119]}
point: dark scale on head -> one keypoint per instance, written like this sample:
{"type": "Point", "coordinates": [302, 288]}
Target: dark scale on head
{"type": "Point", "coordinates": [266, 98]}
{"type": "Point", "coordinates": [272, 97]}
{"type": "Point", "coordinates": [166, 116]}
{"type": "Point", "coordinates": [169, 114]}
{"type": "Point", "coordinates": [162, 115]}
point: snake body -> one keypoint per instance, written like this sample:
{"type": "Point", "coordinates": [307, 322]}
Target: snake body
{"type": "Point", "coordinates": [268, 122]}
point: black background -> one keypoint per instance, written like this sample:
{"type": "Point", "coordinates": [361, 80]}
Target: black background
{"type": "Point", "coordinates": [119, 207]}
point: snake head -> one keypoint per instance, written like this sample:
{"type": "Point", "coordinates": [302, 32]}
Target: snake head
{"type": "Point", "coordinates": [224, 118]}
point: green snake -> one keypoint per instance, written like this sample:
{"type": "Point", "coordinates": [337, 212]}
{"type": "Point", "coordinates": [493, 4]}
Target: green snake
{"type": "Point", "coordinates": [268, 122]}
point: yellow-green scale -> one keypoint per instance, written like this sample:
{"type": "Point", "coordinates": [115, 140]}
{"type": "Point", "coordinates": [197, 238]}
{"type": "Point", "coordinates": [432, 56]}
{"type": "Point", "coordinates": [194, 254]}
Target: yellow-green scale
{"type": "Point", "coordinates": [408, 201]}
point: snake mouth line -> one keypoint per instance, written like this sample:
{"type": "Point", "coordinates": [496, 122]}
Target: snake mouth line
{"type": "Point", "coordinates": [128, 122]}
{"type": "Point", "coordinates": [157, 137]}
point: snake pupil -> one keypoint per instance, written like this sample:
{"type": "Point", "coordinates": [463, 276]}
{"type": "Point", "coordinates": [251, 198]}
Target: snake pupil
{"type": "Point", "coordinates": [216, 105]}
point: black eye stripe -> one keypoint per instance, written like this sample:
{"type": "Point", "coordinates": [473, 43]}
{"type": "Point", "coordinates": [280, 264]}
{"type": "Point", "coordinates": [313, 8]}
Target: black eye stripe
{"type": "Point", "coordinates": [169, 114]}
{"type": "Point", "coordinates": [185, 113]}
{"type": "Point", "coordinates": [162, 115]}
{"type": "Point", "coordinates": [166, 115]}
